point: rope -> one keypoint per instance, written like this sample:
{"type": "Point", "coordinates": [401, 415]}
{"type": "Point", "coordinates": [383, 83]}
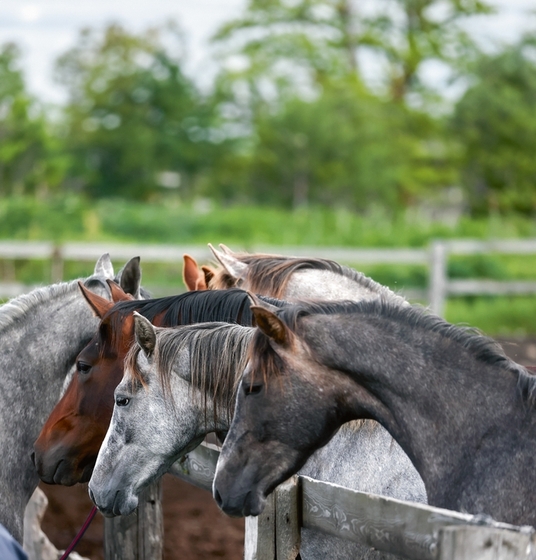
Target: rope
{"type": "Point", "coordinates": [80, 534]}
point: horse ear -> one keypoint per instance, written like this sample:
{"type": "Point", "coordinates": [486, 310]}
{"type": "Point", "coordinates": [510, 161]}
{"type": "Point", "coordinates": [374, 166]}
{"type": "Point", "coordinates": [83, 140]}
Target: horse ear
{"type": "Point", "coordinates": [231, 264]}
{"type": "Point", "coordinates": [118, 294]}
{"type": "Point", "coordinates": [129, 277]}
{"type": "Point", "coordinates": [258, 302]}
{"type": "Point", "coordinates": [271, 325]}
{"type": "Point", "coordinates": [98, 304]}
{"type": "Point", "coordinates": [145, 333]}
{"type": "Point", "coordinates": [226, 249]}
{"type": "Point", "coordinates": [209, 274]}
{"type": "Point", "coordinates": [104, 267]}
{"type": "Point", "coordinates": [194, 279]}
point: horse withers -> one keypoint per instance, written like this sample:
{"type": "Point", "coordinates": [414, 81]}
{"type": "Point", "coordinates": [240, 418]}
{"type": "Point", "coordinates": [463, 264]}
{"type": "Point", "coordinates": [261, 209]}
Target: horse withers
{"type": "Point", "coordinates": [462, 411]}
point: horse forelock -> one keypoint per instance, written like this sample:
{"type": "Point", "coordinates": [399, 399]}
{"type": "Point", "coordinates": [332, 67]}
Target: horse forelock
{"type": "Point", "coordinates": [270, 274]}
{"type": "Point", "coordinates": [217, 357]}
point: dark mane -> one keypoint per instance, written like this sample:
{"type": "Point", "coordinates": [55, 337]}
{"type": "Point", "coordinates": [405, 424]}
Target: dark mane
{"type": "Point", "coordinates": [217, 358]}
{"type": "Point", "coordinates": [230, 306]}
{"type": "Point", "coordinates": [480, 346]}
{"type": "Point", "coordinates": [271, 273]}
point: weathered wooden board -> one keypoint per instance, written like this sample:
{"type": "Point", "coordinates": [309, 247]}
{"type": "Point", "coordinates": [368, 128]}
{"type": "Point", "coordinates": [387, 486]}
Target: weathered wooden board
{"type": "Point", "coordinates": [407, 529]}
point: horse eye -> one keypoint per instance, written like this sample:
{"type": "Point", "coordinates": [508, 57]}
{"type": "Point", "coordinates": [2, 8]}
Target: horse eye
{"type": "Point", "coordinates": [122, 401]}
{"type": "Point", "coordinates": [252, 389]}
{"type": "Point", "coordinates": [82, 367]}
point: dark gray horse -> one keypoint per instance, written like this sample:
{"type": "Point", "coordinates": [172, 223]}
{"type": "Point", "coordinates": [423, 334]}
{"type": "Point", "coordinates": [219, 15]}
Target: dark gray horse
{"type": "Point", "coordinates": [37, 355]}
{"type": "Point", "coordinates": [462, 411]}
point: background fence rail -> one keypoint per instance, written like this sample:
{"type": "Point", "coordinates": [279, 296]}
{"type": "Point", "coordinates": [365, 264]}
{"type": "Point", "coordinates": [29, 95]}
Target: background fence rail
{"type": "Point", "coordinates": [434, 257]}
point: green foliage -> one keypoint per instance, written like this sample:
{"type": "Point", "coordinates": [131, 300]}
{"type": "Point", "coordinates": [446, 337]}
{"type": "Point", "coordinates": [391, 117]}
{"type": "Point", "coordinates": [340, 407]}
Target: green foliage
{"type": "Point", "coordinates": [496, 125]}
{"type": "Point", "coordinates": [135, 122]}
{"type": "Point", "coordinates": [28, 159]}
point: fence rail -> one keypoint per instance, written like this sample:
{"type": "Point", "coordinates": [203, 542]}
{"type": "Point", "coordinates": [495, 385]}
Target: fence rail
{"type": "Point", "coordinates": [409, 530]}
{"type": "Point", "coordinates": [434, 257]}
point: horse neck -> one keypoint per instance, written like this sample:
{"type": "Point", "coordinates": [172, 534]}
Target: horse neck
{"type": "Point", "coordinates": [446, 408]}
{"type": "Point", "coordinates": [42, 336]}
{"type": "Point", "coordinates": [328, 285]}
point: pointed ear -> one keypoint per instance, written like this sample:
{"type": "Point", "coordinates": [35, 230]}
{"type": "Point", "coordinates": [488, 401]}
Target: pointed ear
{"type": "Point", "coordinates": [226, 249]}
{"type": "Point", "coordinates": [129, 277]}
{"type": "Point", "coordinates": [271, 325]}
{"type": "Point", "coordinates": [232, 265]}
{"type": "Point", "coordinates": [145, 334]}
{"type": "Point", "coordinates": [258, 302]}
{"type": "Point", "coordinates": [104, 267]}
{"type": "Point", "coordinates": [209, 274]}
{"type": "Point", "coordinates": [98, 304]}
{"type": "Point", "coordinates": [194, 279]}
{"type": "Point", "coordinates": [118, 294]}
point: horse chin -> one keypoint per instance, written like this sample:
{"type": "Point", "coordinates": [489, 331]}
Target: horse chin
{"type": "Point", "coordinates": [120, 503]}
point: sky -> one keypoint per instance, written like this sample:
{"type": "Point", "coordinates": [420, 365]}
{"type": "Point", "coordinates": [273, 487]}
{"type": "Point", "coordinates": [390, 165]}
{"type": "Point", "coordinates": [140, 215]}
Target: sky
{"type": "Point", "coordinates": [45, 29]}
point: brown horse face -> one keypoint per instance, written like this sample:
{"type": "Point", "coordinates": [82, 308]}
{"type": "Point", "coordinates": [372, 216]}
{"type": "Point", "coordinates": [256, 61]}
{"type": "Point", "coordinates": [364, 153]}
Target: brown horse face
{"type": "Point", "coordinates": [68, 445]}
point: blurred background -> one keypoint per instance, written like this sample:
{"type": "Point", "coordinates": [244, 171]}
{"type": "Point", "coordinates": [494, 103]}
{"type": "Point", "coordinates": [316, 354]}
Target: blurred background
{"type": "Point", "coordinates": [335, 123]}
{"type": "Point", "coordinates": [282, 123]}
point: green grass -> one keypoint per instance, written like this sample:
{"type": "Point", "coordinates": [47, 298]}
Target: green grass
{"type": "Point", "coordinates": [72, 218]}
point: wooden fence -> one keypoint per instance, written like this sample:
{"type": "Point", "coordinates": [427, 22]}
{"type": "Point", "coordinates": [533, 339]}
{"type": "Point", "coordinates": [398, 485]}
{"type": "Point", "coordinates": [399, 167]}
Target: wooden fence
{"type": "Point", "coordinates": [434, 257]}
{"type": "Point", "coordinates": [409, 530]}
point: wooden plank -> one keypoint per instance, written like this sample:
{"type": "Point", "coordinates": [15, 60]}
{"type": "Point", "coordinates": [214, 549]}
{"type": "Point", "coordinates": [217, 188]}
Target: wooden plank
{"type": "Point", "coordinates": [140, 535]}
{"type": "Point", "coordinates": [287, 520]}
{"type": "Point", "coordinates": [259, 540]}
{"type": "Point", "coordinates": [198, 467]}
{"type": "Point", "coordinates": [508, 246]}
{"type": "Point", "coordinates": [483, 543]}
{"type": "Point", "coordinates": [407, 529]}
{"type": "Point", "coordinates": [489, 287]}
{"type": "Point", "coordinates": [438, 277]}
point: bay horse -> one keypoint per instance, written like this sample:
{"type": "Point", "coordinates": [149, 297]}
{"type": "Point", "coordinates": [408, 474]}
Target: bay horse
{"type": "Point", "coordinates": [462, 411]}
{"type": "Point", "coordinates": [42, 332]}
{"type": "Point", "coordinates": [284, 277]}
{"type": "Point", "coordinates": [180, 384]}
{"type": "Point", "coordinates": [67, 447]}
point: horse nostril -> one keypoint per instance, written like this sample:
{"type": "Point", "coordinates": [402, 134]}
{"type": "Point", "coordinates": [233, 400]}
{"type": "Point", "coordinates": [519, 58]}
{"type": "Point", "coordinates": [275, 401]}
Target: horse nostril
{"type": "Point", "coordinates": [32, 457]}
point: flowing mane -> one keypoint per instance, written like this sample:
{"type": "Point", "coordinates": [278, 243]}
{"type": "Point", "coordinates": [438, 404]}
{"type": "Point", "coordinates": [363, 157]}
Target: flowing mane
{"type": "Point", "coordinates": [230, 306]}
{"type": "Point", "coordinates": [271, 273]}
{"type": "Point", "coordinates": [481, 347]}
{"type": "Point", "coordinates": [212, 348]}
{"type": "Point", "coordinates": [13, 310]}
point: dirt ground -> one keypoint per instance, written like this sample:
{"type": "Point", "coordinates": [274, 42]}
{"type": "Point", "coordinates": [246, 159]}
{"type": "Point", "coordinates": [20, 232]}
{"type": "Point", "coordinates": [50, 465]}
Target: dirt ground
{"type": "Point", "coordinates": [194, 528]}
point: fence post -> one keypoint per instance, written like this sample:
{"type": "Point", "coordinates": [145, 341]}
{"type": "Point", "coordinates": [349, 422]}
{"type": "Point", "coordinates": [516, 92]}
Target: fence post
{"type": "Point", "coordinates": [437, 288]}
{"type": "Point", "coordinates": [466, 542]}
{"type": "Point", "coordinates": [140, 535]}
{"type": "Point", "coordinates": [259, 540]}
{"type": "Point", "coordinates": [56, 265]}
{"type": "Point", "coordinates": [287, 519]}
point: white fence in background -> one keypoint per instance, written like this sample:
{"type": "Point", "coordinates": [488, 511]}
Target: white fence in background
{"type": "Point", "coordinates": [434, 257]}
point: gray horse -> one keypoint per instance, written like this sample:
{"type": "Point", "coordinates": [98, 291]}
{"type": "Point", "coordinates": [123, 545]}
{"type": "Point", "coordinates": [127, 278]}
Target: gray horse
{"type": "Point", "coordinates": [184, 380]}
{"type": "Point", "coordinates": [42, 333]}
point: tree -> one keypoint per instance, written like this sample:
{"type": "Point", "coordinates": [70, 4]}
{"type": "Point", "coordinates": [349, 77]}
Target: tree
{"type": "Point", "coordinates": [135, 122]}
{"type": "Point", "coordinates": [496, 126]}
{"type": "Point", "coordinates": [28, 163]}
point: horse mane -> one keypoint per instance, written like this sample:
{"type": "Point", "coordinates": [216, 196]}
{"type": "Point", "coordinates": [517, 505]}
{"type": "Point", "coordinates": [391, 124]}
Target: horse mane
{"type": "Point", "coordinates": [271, 273]}
{"type": "Point", "coordinates": [16, 308]}
{"type": "Point", "coordinates": [217, 354]}
{"type": "Point", "coordinates": [229, 306]}
{"type": "Point", "coordinates": [482, 347]}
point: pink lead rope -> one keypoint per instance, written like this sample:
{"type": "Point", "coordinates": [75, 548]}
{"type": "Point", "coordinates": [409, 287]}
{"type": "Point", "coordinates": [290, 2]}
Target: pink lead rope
{"type": "Point", "coordinates": [80, 534]}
